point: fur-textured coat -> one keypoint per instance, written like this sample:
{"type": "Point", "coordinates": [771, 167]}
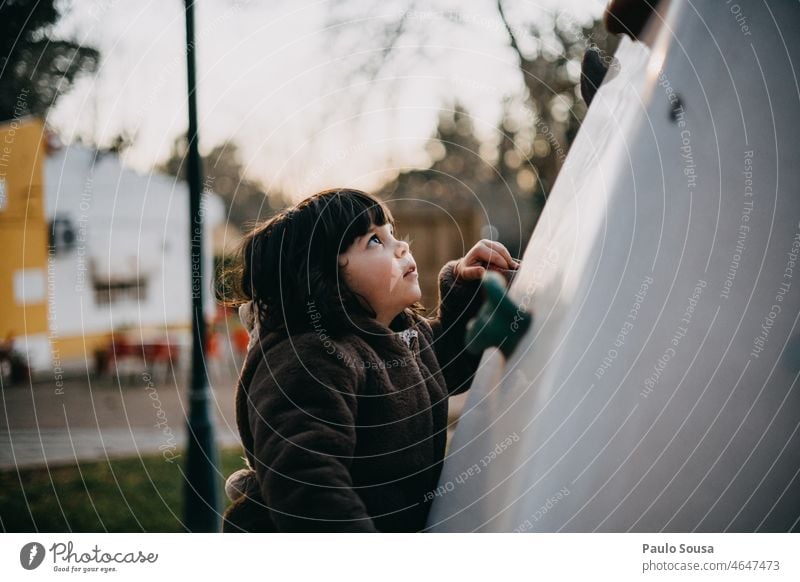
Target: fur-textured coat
{"type": "Point", "coordinates": [349, 434]}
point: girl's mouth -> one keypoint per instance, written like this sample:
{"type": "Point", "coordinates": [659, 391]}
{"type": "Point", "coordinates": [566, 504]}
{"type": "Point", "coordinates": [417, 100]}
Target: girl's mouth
{"type": "Point", "coordinates": [411, 272]}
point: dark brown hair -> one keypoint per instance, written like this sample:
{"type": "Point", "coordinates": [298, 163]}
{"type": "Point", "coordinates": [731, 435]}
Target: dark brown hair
{"type": "Point", "coordinates": [289, 265]}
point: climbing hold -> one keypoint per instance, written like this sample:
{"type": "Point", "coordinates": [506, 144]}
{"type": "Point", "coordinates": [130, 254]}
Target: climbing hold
{"type": "Point", "coordinates": [499, 322]}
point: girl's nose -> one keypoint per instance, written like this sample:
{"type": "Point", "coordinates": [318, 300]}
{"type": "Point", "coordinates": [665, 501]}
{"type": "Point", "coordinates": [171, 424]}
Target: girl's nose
{"type": "Point", "coordinates": [403, 247]}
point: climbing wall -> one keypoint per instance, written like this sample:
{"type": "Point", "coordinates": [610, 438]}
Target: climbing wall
{"type": "Point", "coordinates": [657, 389]}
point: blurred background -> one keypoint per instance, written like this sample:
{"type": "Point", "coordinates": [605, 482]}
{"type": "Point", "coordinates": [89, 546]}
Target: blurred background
{"type": "Point", "coordinates": [460, 118]}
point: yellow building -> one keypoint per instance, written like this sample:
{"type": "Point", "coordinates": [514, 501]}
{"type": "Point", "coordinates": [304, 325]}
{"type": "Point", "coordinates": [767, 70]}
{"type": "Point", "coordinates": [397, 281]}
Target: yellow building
{"type": "Point", "coordinates": [23, 234]}
{"type": "Point", "coordinates": [91, 250]}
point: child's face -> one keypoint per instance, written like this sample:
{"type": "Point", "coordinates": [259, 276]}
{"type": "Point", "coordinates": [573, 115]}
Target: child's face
{"type": "Point", "coordinates": [381, 269]}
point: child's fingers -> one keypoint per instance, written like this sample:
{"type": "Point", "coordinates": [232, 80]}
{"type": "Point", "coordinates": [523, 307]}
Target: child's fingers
{"type": "Point", "coordinates": [500, 248]}
{"type": "Point", "coordinates": [473, 272]}
{"type": "Point", "coordinates": [488, 254]}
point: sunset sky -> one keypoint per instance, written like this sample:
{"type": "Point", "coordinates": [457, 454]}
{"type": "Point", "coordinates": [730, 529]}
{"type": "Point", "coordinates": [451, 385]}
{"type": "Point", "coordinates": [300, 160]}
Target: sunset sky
{"type": "Point", "coordinates": [285, 80]}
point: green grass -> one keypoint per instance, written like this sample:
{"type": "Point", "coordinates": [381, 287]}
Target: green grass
{"type": "Point", "coordinates": [124, 495]}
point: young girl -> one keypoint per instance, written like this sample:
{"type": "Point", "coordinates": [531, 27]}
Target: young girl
{"type": "Point", "coordinates": [342, 400]}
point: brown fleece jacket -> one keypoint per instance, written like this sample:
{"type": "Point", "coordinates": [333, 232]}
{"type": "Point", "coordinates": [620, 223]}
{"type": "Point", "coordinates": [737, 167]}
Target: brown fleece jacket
{"type": "Point", "coordinates": [349, 434]}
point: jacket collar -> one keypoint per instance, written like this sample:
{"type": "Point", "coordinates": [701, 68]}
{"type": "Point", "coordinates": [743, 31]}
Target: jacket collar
{"type": "Point", "coordinates": [396, 340]}
{"type": "Point", "coordinates": [389, 341]}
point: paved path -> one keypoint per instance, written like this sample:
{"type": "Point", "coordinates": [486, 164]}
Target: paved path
{"type": "Point", "coordinates": [100, 418]}
{"type": "Point", "coordinates": [52, 447]}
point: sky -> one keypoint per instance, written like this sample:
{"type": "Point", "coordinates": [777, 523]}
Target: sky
{"type": "Point", "coordinates": [286, 81]}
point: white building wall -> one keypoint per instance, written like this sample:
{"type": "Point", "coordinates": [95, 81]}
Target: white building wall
{"type": "Point", "coordinates": [126, 225]}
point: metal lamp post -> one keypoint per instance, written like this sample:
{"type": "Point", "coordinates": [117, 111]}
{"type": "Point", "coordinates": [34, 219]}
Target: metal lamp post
{"type": "Point", "coordinates": [201, 490]}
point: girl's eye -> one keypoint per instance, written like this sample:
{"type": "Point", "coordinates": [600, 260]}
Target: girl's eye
{"type": "Point", "coordinates": [374, 237]}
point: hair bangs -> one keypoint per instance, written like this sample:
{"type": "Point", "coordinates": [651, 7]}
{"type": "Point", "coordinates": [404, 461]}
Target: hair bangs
{"type": "Point", "coordinates": [353, 213]}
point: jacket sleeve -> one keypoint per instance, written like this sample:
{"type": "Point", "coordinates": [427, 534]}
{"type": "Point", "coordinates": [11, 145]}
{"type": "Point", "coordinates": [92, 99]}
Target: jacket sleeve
{"type": "Point", "coordinates": [459, 302]}
{"type": "Point", "coordinates": [303, 413]}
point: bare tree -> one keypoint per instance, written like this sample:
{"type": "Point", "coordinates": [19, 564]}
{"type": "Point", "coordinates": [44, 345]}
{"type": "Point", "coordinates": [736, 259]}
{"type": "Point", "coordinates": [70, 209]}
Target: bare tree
{"type": "Point", "coordinates": [550, 66]}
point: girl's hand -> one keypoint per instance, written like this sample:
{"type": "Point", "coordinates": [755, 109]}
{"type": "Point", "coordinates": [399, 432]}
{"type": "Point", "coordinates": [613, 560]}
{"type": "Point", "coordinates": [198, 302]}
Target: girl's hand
{"type": "Point", "coordinates": [486, 254]}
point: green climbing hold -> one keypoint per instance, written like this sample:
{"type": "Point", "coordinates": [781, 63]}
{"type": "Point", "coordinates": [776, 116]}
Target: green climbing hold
{"type": "Point", "coordinates": [499, 322]}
